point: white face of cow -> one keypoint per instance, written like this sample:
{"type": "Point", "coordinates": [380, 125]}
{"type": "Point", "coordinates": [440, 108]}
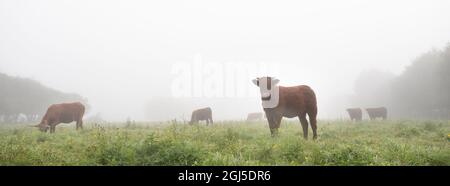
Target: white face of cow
{"type": "Point", "coordinates": [266, 86]}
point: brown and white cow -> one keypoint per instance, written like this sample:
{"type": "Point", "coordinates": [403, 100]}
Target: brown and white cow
{"type": "Point", "coordinates": [295, 101]}
{"type": "Point", "coordinates": [62, 113]}
{"type": "Point", "coordinates": [256, 116]}
{"type": "Point", "coordinates": [200, 115]}
{"type": "Point", "coordinates": [355, 114]}
{"type": "Point", "coordinates": [380, 112]}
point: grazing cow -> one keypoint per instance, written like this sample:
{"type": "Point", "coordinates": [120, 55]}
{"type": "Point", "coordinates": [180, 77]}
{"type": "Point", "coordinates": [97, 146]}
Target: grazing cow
{"type": "Point", "coordinates": [355, 114]}
{"type": "Point", "coordinates": [374, 113]}
{"type": "Point", "coordinates": [295, 101]}
{"type": "Point", "coordinates": [62, 113]}
{"type": "Point", "coordinates": [201, 114]}
{"type": "Point", "coordinates": [257, 116]}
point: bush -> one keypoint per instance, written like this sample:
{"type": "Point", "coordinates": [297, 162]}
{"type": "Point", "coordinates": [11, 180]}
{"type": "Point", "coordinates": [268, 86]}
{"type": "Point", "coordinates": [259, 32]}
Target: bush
{"type": "Point", "coordinates": [429, 126]}
{"type": "Point", "coordinates": [155, 151]}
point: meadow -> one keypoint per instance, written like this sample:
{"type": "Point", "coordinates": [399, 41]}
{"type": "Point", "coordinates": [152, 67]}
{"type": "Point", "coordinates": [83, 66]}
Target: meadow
{"type": "Point", "coordinates": [382, 143]}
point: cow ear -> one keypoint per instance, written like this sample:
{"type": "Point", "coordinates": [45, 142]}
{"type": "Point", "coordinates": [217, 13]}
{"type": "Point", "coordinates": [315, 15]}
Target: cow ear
{"type": "Point", "coordinates": [276, 81]}
{"type": "Point", "coordinates": [255, 81]}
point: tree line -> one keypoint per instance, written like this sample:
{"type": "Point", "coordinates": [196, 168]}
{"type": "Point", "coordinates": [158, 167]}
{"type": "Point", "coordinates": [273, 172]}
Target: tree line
{"type": "Point", "coordinates": [26, 100]}
{"type": "Point", "coordinates": [421, 91]}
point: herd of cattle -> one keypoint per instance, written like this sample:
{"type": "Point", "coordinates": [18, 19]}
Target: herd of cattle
{"type": "Point", "coordinates": [356, 113]}
{"type": "Point", "coordinates": [294, 101]}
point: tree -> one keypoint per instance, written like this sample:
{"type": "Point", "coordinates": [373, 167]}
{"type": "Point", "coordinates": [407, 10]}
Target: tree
{"type": "Point", "coordinates": [29, 97]}
{"type": "Point", "coordinates": [422, 90]}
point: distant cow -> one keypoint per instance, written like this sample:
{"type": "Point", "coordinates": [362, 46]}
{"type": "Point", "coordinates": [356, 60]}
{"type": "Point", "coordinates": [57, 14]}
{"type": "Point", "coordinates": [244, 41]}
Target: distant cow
{"type": "Point", "coordinates": [355, 114]}
{"type": "Point", "coordinates": [62, 113]}
{"type": "Point", "coordinates": [257, 116]}
{"type": "Point", "coordinates": [374, 113]}
{"type": "Point", "coordinates": [202, 114]}
{"type": "Point", "coordinates": [295, 101]}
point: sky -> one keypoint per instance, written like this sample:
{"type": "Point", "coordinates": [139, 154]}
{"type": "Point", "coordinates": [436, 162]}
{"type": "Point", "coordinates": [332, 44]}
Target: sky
{"type": "Point", "coordinates": [123, 56]}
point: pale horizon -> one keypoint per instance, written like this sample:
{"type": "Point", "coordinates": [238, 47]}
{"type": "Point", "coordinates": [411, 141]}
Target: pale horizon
{"type": "Point", "coordinates": [120, 56]}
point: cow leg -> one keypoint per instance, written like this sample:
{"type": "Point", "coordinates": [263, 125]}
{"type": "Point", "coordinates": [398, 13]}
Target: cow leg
{"type": "Point", "coordinates": [304, 124]}
{"type": "Point", "coordinates": [273, 132]}
{"type": "Point", "coordinates": [207, 122]}
{"type": "Point", "coordinates": [313, 122]}
{"type": "Point", "coordinates": [52, 128]}
{"type": "Point", "coordinates": [277, 122]}
{"type": "Point", "coordinates": [79, 124]}
{"type": "Point", "coordinates": [211, 120]}
{"type": "Point", "coordinates": [52, 125]}
{"type": "Point", "coordinates": [271, 122]}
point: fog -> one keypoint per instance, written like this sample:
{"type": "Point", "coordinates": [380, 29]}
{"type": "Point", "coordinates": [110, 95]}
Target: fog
{"type": "Point", "coordinates": [127, 58]}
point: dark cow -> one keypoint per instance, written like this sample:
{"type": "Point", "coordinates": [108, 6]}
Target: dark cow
{"type": "Point", "coordinates": [374, 113]}
{"type": "Point", "coordinates": [257, 116]}
{"type": "Point", "coordinates": [295, 101]}
{"type": "Point", "coordinates": [201, 114]}
{"type": "Point", "coordinates": [355, 114]}
{"type": "Point", "coordinates": [62, 113]}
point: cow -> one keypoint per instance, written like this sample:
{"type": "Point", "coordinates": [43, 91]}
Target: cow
{"type": "Point", "coordinates": [380, 112]}
{"type": "Point", "coordinates": [256, 116]}
{"type": "Point", "coordinates": [355, 114]}
{"type": "Point", "coordinates": [200, 115]}
{"type": "Point", "coordinates": [295, 101]}
{"type": "Point", "coordinates": [62, 113]}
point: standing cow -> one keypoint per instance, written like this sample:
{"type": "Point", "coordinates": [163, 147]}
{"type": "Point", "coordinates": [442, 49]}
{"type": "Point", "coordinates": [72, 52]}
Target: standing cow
{"type": "Point", "coordinates": [62, 113]}
{"type": "Point", "coordinates": [355, 114]}
{"type": "Point", "coordinates": [257, 116]}
{"type": "Point", "coordinates": [380, 112]}
{"type": "Point", "coordinates": [202, 114]}
{"type": "Point", "coordinates": [295, 101]}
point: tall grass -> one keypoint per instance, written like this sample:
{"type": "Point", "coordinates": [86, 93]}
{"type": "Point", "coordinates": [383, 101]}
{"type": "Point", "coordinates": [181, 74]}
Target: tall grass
{"type": "Point", "coordinates": [229, 143]}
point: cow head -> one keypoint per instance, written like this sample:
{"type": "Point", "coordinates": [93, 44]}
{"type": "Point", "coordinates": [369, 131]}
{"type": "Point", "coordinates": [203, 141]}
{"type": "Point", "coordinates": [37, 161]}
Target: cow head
{"type": "Point", "coordinates": [266, 84]}
{"type": "Point", "coordinates": [43, 127]}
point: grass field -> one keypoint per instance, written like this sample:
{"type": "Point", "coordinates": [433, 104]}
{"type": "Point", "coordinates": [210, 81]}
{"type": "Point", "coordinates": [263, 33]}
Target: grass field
{"type": "Point", "coordinates": [229, 143]}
